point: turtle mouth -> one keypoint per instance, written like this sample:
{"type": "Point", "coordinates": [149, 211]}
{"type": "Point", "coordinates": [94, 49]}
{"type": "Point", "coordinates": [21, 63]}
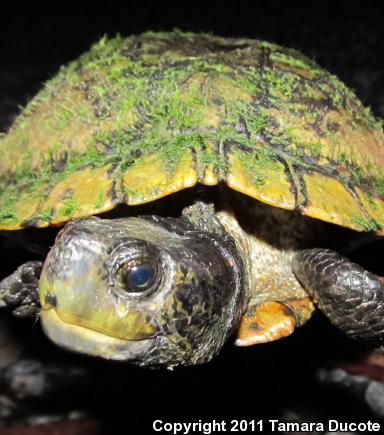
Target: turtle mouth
{"type": "Point", "coordinates": [88, 341]}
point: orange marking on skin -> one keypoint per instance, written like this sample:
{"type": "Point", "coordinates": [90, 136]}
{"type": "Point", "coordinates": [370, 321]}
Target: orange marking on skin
{"type": "Point", "coordinates": [265, 322]}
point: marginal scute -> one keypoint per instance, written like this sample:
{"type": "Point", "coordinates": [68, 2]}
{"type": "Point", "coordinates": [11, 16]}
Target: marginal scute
{"type": "Point", "coordinates": [329, 200]}
{"type": "Point", "coordinates": [169, 110]}
{"type": "Point", "coordinates": [84, 191]}
{"type": "Point", "coordinates": [153, 177]}
{"type": "Point", "coordinates": [262, 178]}
{"type": "Point", "coordinates": [24, 209]}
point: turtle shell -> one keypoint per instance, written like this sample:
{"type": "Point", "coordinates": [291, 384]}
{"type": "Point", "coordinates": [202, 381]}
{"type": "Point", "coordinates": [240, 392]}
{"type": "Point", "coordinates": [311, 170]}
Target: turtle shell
{"type": "Point", "coordinates": [138, 118]}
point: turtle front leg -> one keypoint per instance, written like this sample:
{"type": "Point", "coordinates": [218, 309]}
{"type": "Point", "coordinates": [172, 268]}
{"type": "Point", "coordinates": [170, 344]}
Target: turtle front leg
{"type": "Point", "coordinates": [20, 290]}
{"type": "Point", "coordinates": [351, 297]}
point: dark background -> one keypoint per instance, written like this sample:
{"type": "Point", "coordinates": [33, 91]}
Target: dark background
{"type": "Point", "coordinates": [344, 36]}
{"type": "Point", "coordinates": [276, 379]}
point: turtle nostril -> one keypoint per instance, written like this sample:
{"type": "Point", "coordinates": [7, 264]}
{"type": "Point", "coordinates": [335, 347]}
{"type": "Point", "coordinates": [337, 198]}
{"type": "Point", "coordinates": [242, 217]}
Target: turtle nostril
{"type": "Point", "coordinates": [50, 299]}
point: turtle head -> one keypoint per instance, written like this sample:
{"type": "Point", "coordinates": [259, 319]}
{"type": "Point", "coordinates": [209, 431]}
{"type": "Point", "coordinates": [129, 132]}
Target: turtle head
{"type": "Point", "coordinates": [156, 291]}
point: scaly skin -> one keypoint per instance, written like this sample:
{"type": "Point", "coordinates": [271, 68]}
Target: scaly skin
{"type": "Point", "coordinates": [20, 290]}
{"type": "Point", "coordinates": [351, 297]}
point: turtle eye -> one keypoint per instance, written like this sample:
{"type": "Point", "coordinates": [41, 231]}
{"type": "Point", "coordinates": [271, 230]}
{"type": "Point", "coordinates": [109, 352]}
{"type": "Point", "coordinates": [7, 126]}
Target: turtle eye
{"type": "Point", "coordinates": [136, 269]}
{"type": "Point", "coordinates": [139, 278]}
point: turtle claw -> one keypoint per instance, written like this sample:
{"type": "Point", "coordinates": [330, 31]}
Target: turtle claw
{"type": "Point", "coordinates": [19, 291]}
{"type": "Point", "coordinates": [266, 322]}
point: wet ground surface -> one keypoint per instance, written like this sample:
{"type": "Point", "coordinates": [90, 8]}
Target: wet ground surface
{"type": "Point", "coordinates": [276, 380]}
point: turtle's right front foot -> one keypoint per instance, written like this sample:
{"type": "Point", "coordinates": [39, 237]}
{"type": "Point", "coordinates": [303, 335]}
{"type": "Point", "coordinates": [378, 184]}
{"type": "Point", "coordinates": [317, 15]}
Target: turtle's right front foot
{"type": "Point", "coordinates": [20, 290]}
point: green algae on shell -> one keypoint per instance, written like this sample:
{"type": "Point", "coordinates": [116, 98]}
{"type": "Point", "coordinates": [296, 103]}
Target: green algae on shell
{"type": "Point", "coordinates": [192, 108]}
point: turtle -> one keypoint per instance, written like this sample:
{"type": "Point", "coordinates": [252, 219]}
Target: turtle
{"type": "Point", "coordinates": [201, 188]}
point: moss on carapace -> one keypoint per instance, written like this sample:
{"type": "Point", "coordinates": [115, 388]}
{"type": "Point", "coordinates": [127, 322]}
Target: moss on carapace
{"type": "Point", "coordinates": [168, 94]}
